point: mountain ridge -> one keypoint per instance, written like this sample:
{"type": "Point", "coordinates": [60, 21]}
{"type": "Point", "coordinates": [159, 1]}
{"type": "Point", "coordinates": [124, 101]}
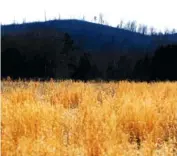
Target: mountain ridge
{"type": "Point", "coordinates": [97, 37]}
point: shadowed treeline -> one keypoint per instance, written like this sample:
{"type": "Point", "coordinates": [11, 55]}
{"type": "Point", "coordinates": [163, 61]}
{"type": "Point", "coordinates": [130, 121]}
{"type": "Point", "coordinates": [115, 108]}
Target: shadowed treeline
{"type": "Point", "coordinates": [46, 53]}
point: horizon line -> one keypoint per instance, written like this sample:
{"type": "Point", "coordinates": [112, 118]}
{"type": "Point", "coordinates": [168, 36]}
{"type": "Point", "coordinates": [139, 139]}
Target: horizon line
{"type": "Point", "coordinates": [94, 22]}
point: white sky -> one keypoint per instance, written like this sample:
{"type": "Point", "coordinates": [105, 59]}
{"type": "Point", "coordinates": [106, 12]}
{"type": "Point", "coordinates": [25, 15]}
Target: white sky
{"type": "Point", "coordinates": [160, 14]}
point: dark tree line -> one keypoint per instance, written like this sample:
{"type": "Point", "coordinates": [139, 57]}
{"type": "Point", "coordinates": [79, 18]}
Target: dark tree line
{"type": "Point", "coordinates": [164, 63]}
{"type": "Point", "coordinates": [38, 54]}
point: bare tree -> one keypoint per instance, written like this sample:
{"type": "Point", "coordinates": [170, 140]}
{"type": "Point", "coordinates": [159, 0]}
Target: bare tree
{"type": "Point", "coordinates": [101, 18]}
{"type": "Point", "coordinates": [152, 31]}
{"type": "Point", "coordinates": [95, 19]}
{"type": "Point", "coordinates": [45, 16]}
{"type": "Point", "coordinates": [24, 20]}
{"type": "Point", "coordinates": [128, 25]}
{"type": "Point", "coordinates": [83, 18]}
{"type": "Point", "coordinates": [133, 26]}
{"type": "Point", "coordinates": [140, 28]}
{"type": "Point", "coordinates": [120, 25]}
{"type": "Point", "coordinates": [144, 30]}
{"type": "Point", "coordinates": [173, 31]}
{"type": "Point", "coordinates": [59, 17]}
{"type": "Point", "coordinates": [166, 32]}
{"type": "Point", "coordinates": [14, 22]}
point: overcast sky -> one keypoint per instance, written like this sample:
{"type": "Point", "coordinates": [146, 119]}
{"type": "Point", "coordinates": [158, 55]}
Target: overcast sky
{"type": "Point", "coordinates": [160, 14]}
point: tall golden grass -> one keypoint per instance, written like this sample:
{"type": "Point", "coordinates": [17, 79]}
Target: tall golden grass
{"type": "Point", "coordinates": [89, 119]}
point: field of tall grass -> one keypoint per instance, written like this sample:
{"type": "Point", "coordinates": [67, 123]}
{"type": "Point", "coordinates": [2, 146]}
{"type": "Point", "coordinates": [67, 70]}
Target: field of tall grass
{"type": "Point", "coordinates": [88, 119]}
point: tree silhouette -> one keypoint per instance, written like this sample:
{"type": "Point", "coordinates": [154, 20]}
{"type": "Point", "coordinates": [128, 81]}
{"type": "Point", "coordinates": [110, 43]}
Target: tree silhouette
{"type": "Point", "coordinates": [164, 63]}
{"type": "Point", "coordinates": [95, 19]}
{"type": "Point", "coordinates": [13, 64]}
{"type": "Point", "coordinates": [152, 31]}
{"type": "Point", "coordinates": [133, 26]}
{"type": "Point", "coordinates": [120, 25]}
{"type": "Point", "coordinates": [101, 18]}
{"type": "Point", "coordinates": [142, 29]}
{"type": "Point", "coordinates": [83, 68]}
{"type": "Point", "coordinates": [173, 31]}
{"type": "Point", "coordinates": [142, 69]}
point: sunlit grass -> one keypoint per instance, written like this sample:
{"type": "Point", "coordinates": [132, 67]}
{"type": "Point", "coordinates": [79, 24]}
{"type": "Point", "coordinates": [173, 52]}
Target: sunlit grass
{"type": "Point", "coordinates": [91, 119]}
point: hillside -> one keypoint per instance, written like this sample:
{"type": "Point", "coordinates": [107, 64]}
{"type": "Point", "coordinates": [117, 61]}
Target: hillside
{"type": "Point", "coordinates": [73, 49]}
{"type": "Point", "coordinates": [96, 37]}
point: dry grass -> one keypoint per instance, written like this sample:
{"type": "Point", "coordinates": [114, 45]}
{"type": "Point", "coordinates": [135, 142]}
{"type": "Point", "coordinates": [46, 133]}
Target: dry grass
{"type": "Point", "coordinates": [90, 119]}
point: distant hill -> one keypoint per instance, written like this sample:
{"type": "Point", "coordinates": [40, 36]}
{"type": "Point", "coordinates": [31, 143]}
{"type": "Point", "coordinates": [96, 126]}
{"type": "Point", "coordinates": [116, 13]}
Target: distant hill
{"type": "Point", "coordinates": [79, 50]}
{"type": "Point", "coordinates": [96, 37]}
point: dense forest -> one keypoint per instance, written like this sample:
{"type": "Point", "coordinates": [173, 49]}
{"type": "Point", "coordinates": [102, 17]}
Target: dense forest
{"type": "Point", "coordinates": [46, 53]}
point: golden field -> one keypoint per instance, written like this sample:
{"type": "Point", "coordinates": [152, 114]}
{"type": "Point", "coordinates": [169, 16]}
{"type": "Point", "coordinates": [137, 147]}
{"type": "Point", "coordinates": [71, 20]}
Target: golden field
{"type": "Point", "coordinates": [88, 119]}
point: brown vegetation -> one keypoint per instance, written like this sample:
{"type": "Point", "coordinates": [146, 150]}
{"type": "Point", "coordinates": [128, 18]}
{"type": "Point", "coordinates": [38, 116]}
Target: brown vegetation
{"type": "Point", "coordinates": [91, 119]}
